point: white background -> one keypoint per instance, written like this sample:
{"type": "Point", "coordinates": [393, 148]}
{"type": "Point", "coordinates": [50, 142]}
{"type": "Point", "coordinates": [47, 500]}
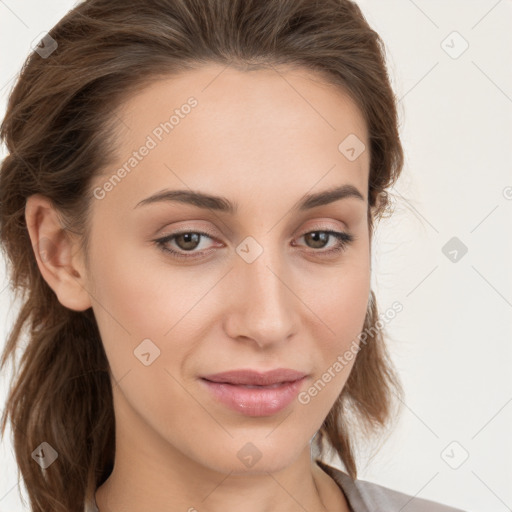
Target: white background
{"type": "Point", "coordinates": [452, 341]}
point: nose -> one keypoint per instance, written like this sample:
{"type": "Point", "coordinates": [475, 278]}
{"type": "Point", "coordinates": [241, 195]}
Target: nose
{"type": "Point", "coordinates": [262, 306]}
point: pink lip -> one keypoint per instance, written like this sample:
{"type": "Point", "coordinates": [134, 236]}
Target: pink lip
{"type": "Point", "coordinates": [255, 378]}
{"type": "Point", "coordinates": [277, 390]}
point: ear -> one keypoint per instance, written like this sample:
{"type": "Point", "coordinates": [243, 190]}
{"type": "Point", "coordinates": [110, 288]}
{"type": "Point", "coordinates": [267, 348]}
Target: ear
{"type": "Point", "coordinates": [57, 254]}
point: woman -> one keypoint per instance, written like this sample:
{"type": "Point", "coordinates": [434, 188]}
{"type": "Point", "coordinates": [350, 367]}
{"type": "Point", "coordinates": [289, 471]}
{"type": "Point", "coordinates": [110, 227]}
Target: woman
{"type": "Point", "coordinates": [188, 203]}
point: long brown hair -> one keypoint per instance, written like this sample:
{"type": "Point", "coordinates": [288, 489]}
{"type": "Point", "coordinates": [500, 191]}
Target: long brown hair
{"type": "Point", "coordinates": [59, 130]}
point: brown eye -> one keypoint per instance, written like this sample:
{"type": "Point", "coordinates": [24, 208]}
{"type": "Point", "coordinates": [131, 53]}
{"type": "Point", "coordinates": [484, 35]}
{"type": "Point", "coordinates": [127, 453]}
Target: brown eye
{"type": "Point", "coordinates": [320, 238]}
{"type": "Point", "coordinates": [178, 244]}
{"type": "Point", "coordinates": [187, 241]}
{"type": "Point", "coordinates": [317, 239]}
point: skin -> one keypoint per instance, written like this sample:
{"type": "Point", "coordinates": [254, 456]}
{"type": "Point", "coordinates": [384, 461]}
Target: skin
{"type": "Point", "coordinates": [262, 139]}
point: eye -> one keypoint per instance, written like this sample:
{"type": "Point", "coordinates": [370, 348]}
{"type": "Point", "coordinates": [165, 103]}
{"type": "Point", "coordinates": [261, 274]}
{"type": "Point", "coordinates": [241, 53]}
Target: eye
{"type": "Point", "coordinates": [318, 240]}
{"type": "Point", "coordinates": [188, 241]}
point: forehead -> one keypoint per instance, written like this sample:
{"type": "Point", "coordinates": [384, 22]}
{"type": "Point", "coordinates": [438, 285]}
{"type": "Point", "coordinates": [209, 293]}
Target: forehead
{"type": "Point", "coordinates": [248, 129]}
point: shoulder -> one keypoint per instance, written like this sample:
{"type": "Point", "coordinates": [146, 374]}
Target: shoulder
{"type": "Point", "coordinates": [378, 496]}
{"type": "Point", "coordinates": [364, 496]}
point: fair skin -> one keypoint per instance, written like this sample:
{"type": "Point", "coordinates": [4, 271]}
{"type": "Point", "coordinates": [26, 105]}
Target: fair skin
{"type": "Point", "coordinates": [262, 142]}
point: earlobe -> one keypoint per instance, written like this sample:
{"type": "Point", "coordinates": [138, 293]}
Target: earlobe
{"type": "Point", "coordinates": [56, 254]}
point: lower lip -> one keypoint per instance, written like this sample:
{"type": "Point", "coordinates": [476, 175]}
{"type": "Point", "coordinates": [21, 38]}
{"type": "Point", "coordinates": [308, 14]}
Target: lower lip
{"type": "Point", "coordinates": [264, 401]}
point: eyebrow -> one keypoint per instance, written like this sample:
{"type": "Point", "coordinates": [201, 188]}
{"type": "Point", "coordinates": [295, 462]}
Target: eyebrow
{"type": "Point", "coordinates": [224, 205]}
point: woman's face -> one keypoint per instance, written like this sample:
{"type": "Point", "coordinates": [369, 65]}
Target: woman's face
{"type": "Point", "coordinates": [264, 287]}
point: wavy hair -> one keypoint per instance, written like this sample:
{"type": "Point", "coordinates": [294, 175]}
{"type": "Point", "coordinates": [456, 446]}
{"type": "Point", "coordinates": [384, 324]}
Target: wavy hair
{"type": "Point", "coordinates": [58, 131]}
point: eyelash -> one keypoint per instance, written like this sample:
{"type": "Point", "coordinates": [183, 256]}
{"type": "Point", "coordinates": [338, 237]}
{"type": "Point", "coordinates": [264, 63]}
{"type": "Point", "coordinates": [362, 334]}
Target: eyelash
{"type": "Point", "coordinates": [344, 240]}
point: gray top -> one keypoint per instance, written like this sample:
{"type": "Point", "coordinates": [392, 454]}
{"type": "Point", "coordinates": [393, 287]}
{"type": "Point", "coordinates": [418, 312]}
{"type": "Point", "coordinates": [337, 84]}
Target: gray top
{"type": "Point", "coordinates": [363, 496]}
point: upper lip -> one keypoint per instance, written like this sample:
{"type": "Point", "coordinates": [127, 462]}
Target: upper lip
{"type": "Point", "coordinates": [255, 378]}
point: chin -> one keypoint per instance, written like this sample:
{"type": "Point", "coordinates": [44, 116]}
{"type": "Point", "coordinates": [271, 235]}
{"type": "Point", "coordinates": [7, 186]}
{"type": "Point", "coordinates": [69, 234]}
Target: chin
{"type": "Point", "coordinates": [247, 457]}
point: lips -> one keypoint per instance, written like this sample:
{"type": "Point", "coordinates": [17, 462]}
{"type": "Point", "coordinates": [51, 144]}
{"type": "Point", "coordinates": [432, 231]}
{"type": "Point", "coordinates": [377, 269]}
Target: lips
{"type": "Point", "coordinates": [254, 393]}
{"type": "Point", "coordinates": [253, 378]}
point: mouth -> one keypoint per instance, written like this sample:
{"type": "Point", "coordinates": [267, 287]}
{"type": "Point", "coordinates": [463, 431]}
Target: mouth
{"type": "Point", "coordinates": [252, 399]}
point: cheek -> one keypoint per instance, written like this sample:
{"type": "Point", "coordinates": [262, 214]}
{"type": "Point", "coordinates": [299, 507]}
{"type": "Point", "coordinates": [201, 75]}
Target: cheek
{"type": "Point", "coordinates": [139, 297]}
{"type": "Point", "coordinates": [128, 301]}
{"type": "Point", "coordinates": [345, 305]}
{"type": "Point", "coordinates": [141, 315]}
{"type": "Point", "coordinates": [343, 311]}
{"type": "Point", "coordinates": [340, 297]}
{"type": "Point", "coordinates": [131, 291]}
{"type": "Point", "coordinates": [341, 308]}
